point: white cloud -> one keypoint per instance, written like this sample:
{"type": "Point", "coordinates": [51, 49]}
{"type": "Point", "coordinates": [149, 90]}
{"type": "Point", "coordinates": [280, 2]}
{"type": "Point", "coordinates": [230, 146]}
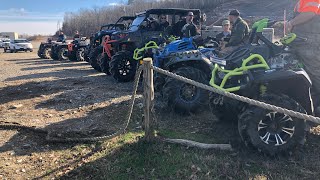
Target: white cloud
{"type": "Point", "coordinates": [29, 27]}
{"type": "Point", "coordinates": [24, 15]}
{"type": "Point", "coordinates": [115, 4]}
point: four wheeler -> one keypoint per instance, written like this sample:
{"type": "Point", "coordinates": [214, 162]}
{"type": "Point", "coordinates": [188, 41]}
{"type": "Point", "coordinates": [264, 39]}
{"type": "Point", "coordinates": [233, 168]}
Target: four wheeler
{"type": "Point", "coordinates": [73, 51]}
{"type": "Point", "coordinates": [77, 48]}
{"type": "Point", "coordinates": [44, 49]}
{"type": "Point", "coordinates": [269, 73]}
{"type": "Point", "coordinates": [183, 57]}
{"type": "Point", "coordinates": [96, 51]}
{"type": "Point", "coordinates": [122, 64]}
{"type": "Point", "coordinates": [59, 51]}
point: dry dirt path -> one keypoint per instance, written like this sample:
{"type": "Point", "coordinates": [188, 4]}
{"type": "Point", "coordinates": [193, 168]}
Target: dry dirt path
{"type": "Point", "coordinates": [59, 96]}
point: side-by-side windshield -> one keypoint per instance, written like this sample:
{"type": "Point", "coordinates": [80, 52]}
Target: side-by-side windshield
{"type": "Point", "coordinates": [136, 22]}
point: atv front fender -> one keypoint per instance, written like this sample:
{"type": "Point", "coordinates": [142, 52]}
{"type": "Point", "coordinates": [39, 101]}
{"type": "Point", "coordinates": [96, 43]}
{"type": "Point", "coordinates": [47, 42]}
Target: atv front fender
{"type": "Point", "coordinates": [294, 83]}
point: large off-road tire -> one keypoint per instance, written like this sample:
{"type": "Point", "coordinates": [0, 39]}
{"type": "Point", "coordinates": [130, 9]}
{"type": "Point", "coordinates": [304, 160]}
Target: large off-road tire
{"type": "Point", "coordinates": [103, 61]}
{"type": "Point", "coordinates": [62, 54]}
{"type": "Point", "coordinates": [80, 54]}
{"type": "Point", "coordinates": [54, 54]}
{"type": "Point", "coordinates": [40, 53]}
{"type": "Point", "coordinates": [224, 108]}
{"type": "Point", "coordinates": [93, 58]}
{"type": "Point", "coordinates": [183, 97]}
{"type": "Point", "coordinates": [86, 54]}
{"type": "Point", "coordinates": [72, 56]}
{"type": "Point", "coordinates": [123, 66]}
{"type": "Point", "coordinates": [46, 53]}
{"type": "Point", "coordinates": [270, 132]}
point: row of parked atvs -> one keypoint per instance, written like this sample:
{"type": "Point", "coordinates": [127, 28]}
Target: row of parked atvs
{"type": "Point", "coordinates": [260, 70]}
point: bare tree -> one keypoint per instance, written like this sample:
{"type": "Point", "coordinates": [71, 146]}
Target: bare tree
{"type": "Point", "coordinates": [88, 21]}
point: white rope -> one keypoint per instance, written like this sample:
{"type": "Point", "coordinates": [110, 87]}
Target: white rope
{"type": "Point", "coordinates": [240, 98]}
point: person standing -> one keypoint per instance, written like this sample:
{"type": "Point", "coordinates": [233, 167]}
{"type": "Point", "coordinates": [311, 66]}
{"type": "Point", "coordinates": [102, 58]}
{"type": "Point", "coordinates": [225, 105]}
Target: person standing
{"type": "Point", "coordinates": [306, 24]}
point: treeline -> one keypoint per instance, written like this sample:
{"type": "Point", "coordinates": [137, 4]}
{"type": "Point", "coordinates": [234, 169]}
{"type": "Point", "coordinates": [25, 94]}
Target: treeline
{"type": "Point", "coordinates": [88, 21]}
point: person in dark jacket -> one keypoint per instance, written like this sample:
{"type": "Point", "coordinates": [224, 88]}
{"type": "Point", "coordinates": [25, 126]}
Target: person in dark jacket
{"type": "Point", "coordinates": [189, 29]}
{"type": "Point", "coordinates": [239, 32]}
{"type": "Point", "coordinates": [76, 35]}
{"type": "Point", "coordinates": [226, 33]}
{"type": "Point", "coordinates": [61, 37]}
{"type": "Point", "coordinates": [240, 29]}
{"type": "Point", "coordinates": [163, 22]}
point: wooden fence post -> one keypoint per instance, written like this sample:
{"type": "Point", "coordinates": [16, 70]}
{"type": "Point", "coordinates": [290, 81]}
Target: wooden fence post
{"type": "Point", "coordinates": [148, 97]}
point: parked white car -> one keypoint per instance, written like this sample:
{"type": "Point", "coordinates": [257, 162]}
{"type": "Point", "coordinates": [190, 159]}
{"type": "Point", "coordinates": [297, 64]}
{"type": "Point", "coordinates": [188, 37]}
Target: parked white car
{"type": "Point", "coordinates": [4, 41]}
{"type": "Point", "coordinates": [20, 45]}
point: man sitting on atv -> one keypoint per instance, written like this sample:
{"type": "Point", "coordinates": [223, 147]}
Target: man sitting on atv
{"type": "Point", "coordinates": [76, 35]}
{"type": "Point", "coordinates": [61, 37]}
{"type": "Point", "coordinates": [239, 32]}
{"type": "Point", "coordinates": [163, 19]}
{"type": "Point", "coordinates": [189, 29]}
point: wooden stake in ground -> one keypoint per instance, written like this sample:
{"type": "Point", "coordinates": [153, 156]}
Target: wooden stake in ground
{"type": "Point", "coordinates": [148, 97]}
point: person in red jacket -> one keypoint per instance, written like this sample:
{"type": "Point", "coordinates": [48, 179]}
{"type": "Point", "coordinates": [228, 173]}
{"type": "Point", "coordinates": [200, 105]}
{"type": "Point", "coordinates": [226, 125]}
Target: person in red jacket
{"type": "Point", "coordinates": [306, 24]}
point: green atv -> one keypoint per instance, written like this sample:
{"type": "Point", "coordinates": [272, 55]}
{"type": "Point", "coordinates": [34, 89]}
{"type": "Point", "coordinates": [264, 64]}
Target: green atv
{"type": "Point", "coordinates": [268, 72]}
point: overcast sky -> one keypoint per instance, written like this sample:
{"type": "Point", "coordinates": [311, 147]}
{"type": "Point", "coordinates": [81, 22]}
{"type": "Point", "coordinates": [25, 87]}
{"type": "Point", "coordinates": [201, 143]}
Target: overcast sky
{"type": "Point", "coordinates": [41, 16]}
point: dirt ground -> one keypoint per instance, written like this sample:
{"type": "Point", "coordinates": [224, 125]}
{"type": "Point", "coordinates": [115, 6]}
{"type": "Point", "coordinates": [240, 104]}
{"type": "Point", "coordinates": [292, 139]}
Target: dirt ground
{"type": "Point", "coordinates": [57, 96]}
{"type": "Point", "coordinates": [72, 99]}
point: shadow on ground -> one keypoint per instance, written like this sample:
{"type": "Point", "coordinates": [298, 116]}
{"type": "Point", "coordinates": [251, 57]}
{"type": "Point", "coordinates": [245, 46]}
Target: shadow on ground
{"type": "Point", "coordinates": [158, 160]}
{"type": "Point", "coordinates": [98, 122]}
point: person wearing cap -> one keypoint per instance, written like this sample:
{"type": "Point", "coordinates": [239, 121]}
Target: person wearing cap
{"type": "Point", "coordinates": [240, 29]}
{"type": "Point", "coordinates": [189, 29]}
{"type": "Point", "coordinates": [226, 33]}
{"type": "Point", "coordinates": [306, 24]}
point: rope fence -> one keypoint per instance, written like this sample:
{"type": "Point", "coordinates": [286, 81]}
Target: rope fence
{"type": "Point", "coordinates": [237, 97]}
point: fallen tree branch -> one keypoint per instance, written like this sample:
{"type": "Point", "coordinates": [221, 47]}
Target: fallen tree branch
{"type": "Point", "coordinates": [199, 145]}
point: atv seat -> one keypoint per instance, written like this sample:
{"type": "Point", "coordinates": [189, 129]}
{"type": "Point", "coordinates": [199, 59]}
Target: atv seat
{"type": "Point", "coordinates": [234, 59]}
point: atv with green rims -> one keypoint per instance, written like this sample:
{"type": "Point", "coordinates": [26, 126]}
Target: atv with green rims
{"type": "Point", "coordinates": [269, 73]}
{"type": "Point", "coordinates": [98, 51]}
{"type": "Point", "coordinates": [144, 28]}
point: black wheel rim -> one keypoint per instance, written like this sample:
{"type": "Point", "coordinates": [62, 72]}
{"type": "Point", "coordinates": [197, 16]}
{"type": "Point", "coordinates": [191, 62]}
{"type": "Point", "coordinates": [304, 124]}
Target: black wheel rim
{"type": "Point", "coordinates": [188, 92]}
{"type": "Point", "coordinates": [125, 67]}
{"type": "Point", "coordinates": [276, 129]}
